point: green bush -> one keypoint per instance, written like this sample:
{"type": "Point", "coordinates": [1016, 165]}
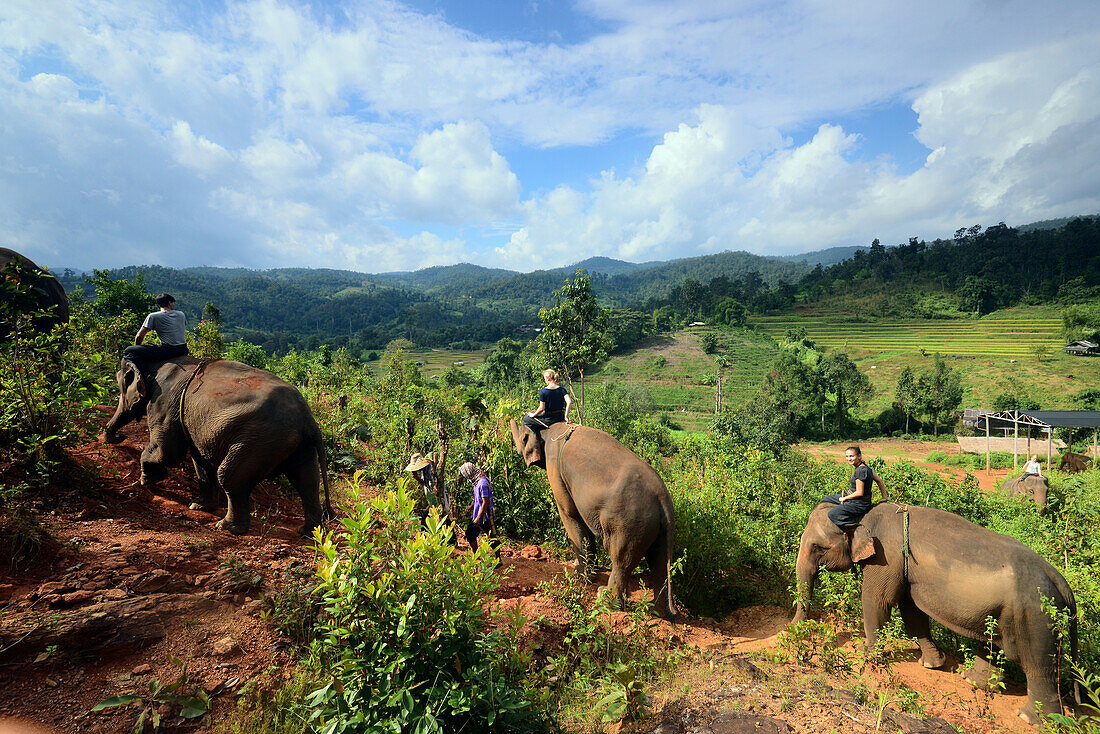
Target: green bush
{"type": "Point", "coordinates": [404, 632]}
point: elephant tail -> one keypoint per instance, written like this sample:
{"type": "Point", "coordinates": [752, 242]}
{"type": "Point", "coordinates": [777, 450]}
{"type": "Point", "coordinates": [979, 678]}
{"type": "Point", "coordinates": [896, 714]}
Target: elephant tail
{"type": "Point", "coordinates": [668, 530]}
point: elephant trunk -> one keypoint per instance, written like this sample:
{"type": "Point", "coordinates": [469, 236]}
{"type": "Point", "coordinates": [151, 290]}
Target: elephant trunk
{"type": "Point", "coordinates": [121, 417]}
{"type": "Point", "coordinates": [806, 568]}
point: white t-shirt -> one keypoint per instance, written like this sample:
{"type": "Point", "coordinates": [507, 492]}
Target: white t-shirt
{"type": "Point", "coordinates": [171, 327]}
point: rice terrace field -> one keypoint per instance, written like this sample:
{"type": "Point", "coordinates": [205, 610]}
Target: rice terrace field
{"type": "Point", "coordinates": [1004, 334]}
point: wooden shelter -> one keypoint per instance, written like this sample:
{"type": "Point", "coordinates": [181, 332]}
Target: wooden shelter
{"type": "Point", "coordinates": [1045, 421]}
{"type": "Point", "coordinates": [1082, 348]}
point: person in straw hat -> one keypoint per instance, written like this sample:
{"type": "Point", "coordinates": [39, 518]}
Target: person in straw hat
{"type": "Point", "coordinates": [423, 471]}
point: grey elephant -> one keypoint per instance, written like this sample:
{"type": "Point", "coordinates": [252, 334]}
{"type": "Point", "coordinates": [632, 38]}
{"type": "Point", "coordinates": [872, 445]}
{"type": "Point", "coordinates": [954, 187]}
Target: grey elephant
{"type": "Point", "coordinates": [45, 291]}
{"type": "Point", "coordinates": [958, 574]}
{"type": "Point", "coordinates": [239, 423]}
{"type": "Point", "coordinates": [605, 492]}
{"type": "Point", "coordinates": [1028, 485]}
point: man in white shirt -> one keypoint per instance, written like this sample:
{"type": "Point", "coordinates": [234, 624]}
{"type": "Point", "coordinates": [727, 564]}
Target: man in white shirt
{"type": "Point", "coordinates": [170, 325]}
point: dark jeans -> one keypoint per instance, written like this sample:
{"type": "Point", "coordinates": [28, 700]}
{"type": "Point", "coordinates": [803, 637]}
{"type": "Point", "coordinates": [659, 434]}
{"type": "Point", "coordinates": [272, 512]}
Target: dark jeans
{"type": "Point", "coordinates": [145, 355]}
{"type": "Point", "coordinates": [847, 514]}
{"type": "Point", "coordinates": [545, 420]}
{"type": "Point", "coordinates": [484, 528]}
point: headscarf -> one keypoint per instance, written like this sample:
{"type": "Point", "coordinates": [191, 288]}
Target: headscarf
{"type": "Point", "coordinates": [471, 472]}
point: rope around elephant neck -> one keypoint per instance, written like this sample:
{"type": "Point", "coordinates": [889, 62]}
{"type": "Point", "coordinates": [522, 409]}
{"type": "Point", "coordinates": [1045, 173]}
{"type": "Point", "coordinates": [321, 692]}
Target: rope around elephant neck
{"type": "Point", "coordinates": [905, 551]}
{"type": "Point", "coordinates": [560, 440]}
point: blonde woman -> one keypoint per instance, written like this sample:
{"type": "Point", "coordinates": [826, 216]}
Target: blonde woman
{"type": "Point", "coordinates": [554, 404]}
{"type": "Point", "coordinates": [1033, 466]}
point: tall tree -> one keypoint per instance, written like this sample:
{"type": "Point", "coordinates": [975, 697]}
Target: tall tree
{"type": "Point", "coordinates": [574, 332]}
{"type": "Point", "coordinates": [940, 391]}
{"type": "Point", "coordinates": [849, 386]}
{"type": "Point", "coordinates": [906, 396]}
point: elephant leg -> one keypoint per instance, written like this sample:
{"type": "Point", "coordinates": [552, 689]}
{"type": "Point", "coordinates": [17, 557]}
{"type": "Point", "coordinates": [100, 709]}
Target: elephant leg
{"type": "Point", "coordinates": [580, 539]}
{"type": "Point", "coordinates": [621, 565]}
{"type": "Point", "coordinates": [916, 625]}
{"type": "Point", "coordinates": [1034, 648]}
{"type": "Point", "coordinates": [236, 478]}
{"type": "Point", "coordinates": [305, 476]}
{"type": "Point", "coordinates": [876, 613]}
{"type": "Point", "coordinates": [206, 500]}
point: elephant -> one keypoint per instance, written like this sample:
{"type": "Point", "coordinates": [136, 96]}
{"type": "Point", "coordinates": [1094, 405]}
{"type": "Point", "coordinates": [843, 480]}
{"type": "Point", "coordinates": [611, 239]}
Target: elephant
{"type": "Point", "coordinates": [240, 424]}
{"type": "Point", "coordinates": [1072, 463]}
{"type": "Point", "coordinates": [45, 292]}
{"type": "Point", "coordinates": [1028, 485]}
{"type": "Point", "coordinates": [604, 491]}
{"type": "Point", "coordinates": [958, 574]}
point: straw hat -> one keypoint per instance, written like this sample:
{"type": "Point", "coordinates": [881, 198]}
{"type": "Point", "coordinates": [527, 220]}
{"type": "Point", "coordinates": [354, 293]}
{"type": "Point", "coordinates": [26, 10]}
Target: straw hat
{"type": "Point", "coordinates": [417, 462]}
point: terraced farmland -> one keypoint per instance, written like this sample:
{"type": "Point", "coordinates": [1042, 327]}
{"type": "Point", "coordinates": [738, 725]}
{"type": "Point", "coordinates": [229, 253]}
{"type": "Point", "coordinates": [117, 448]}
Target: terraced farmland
{"type": "Point", "coordinates": [993, 336]}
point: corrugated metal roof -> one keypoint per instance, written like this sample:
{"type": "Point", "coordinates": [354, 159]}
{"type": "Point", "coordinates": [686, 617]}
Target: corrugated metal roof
{"type": "Point", "coordinates": [1066, 418]}
{"type": "Point", "coordinates": [975, 417]}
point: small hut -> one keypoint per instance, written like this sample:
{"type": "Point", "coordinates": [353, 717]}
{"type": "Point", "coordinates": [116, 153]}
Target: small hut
{"type": "Point", "coordinates": [1082, 348]}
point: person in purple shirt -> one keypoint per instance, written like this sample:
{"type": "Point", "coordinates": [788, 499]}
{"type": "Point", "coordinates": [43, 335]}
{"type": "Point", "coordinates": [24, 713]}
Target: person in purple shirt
{"type": "Point", "coordinates": [481, 511]}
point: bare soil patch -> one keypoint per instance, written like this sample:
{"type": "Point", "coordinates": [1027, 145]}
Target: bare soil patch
{"type": "Point", "coordinates": [138, 581]}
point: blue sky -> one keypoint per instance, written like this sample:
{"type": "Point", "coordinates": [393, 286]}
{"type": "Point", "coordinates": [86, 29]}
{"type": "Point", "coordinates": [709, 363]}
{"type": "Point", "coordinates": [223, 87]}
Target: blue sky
{"type": "Point", "coordinates": [380, 135]}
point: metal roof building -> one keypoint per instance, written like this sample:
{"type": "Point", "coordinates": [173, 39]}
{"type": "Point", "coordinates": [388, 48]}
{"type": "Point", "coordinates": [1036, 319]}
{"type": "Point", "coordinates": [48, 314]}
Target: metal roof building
{"type": "Point", "coordinates": [1044, 421]}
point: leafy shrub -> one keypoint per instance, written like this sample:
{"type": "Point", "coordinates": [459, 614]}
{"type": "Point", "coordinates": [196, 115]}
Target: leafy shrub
{"type": "Point", "coordinates": [403, 634]}
{"type": "Point", "coordinates": [248, 353]}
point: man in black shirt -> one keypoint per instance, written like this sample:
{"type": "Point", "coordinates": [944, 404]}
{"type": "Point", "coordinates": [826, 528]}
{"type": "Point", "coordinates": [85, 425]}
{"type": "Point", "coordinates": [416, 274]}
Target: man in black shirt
{"type": "Point", "coordinates": [853, 506]}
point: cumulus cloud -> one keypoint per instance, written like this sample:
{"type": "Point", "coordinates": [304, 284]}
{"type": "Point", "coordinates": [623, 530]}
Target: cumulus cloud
{"type": "Point", "coordinates": [275, 133]}
{"type": "Point", "coordinates": [1012, 138]}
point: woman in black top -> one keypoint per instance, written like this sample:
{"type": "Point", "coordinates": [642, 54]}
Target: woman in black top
{"type": "Point", "coordinates": [554, 404]}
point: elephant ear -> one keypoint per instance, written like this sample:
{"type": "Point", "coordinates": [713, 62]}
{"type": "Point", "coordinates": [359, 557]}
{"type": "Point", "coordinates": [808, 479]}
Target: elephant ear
{"type": "Point", "coordinates": [134, 389]}
{"type": "Point", "coordinates": [863, 544]}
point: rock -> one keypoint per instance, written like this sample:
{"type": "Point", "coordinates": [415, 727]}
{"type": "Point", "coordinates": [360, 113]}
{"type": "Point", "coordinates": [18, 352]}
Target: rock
{"type": "Point", "coordinates": [531, 551]}
{"type": "Point", "coordinates": [742, 665]}
{"type": "Point", "coordinates": [51, 682]}
{"type": "Point", "coordinates": [226, 647]}
{"type": "Point", "coordinates": [741, 722]}
{"type": "Point", "coordinates": [107, 628]}
{"type": "Point", "coordinates": [113, 594]}
{"type": "Point", "coordinates": [845, 696]}
{"type": "Point", "coordinates": [912, 725]}
{"type": "Point", "coordinates": [727, 692]}
{"type": "Point", "coordinates": [156, 580]}
{"type": "Point", "coordinates": [51, 588]}
{"type": "Point", "coordinates": [253, 608]}
{"type": "Point", "coordinates": [142, 669]}
{"type": "Point", "coordinates": [669, 726]}
{"type": "Point", "coordinates": [73, 598]}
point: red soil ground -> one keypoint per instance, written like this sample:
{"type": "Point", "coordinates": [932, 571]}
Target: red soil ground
{"type": "Point", "coordinates": [118, 542]}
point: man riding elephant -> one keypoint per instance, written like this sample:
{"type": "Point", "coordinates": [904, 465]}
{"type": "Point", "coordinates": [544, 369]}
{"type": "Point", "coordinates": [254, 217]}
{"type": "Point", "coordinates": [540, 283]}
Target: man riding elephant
{"type": "Point", "coordinates": [240, 425]}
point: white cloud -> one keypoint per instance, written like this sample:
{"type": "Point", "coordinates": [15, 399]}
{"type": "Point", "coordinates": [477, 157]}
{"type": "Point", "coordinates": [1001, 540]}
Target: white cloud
{"type": "Point", "coordinates": [283, 133]}
{"type": "Point", "coordinates": [195, 151]}
{"type": "Point", "coordinates": [1014, 139]}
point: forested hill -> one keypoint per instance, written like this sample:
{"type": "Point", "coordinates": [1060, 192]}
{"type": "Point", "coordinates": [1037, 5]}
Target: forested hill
{"type": "Point", "coordinates": [975, 272]}
{"type": "Point", "coordinates": [290, 308]}
{"type": "Point", "coordinates": [527, 292]}
{"type": "Point", "coordinates": [980, 270]}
